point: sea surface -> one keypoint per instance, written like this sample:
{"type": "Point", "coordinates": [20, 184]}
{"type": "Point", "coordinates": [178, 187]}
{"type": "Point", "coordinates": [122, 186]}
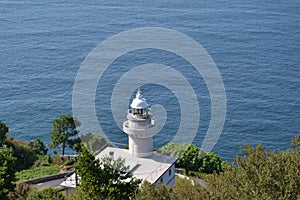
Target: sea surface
{"type": "Point", "coordinates": [255, 45]}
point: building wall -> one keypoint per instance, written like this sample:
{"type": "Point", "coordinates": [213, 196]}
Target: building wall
{"type": "Point", "coordinates": [168, 178]}
{"type": "Point", "coordinates": [144, 146]}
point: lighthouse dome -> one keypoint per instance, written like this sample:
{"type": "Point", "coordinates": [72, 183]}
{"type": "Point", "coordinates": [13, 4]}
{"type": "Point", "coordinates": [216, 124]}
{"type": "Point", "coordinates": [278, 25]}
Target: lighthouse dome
{"type": "Point", "coordinates": [139, 102]}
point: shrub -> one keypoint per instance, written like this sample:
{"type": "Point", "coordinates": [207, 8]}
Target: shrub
{"type": "Point", "coordinates": [57, 160]}
{"type": "Point", "coordinates": [24, 154]}
{"type": "Point", "coordinates": [46, 194]}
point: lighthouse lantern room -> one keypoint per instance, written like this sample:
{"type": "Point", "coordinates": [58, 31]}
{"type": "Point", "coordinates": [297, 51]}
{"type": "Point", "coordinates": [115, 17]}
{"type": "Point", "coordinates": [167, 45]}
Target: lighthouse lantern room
{"type": "Point", "coordinates": [140, 127]}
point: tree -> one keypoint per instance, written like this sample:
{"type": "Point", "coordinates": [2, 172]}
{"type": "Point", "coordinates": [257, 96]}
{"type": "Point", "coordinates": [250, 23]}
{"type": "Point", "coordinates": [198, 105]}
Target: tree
{"type": "Point", "coordinates": [3, 132]}
{"type": "Point", "coordinates": [25, 157]}
{"type": "Point", "coordinates": [193, 159]}
{"type": "Point", "coordinates": [38, 147]}
{"type": "Point", "coordinates": [64, 133]}
{"type": "Point", "coordinates": [105, 178]}
{"type": "Point", "coordinates": [7, 172]}
{"type": "Point", "coordinates": [211, 163]}
{"type": "Point", "coordinates": [190, 159]}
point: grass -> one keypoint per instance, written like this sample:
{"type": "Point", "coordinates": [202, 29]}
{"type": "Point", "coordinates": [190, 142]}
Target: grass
{"type": "Point", "coordinates": [37, 172]}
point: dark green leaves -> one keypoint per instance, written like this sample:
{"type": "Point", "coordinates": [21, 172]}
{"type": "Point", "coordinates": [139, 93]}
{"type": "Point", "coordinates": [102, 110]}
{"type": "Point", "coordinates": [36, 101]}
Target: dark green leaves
{"type": "Point", "coordinates": [64, 133]}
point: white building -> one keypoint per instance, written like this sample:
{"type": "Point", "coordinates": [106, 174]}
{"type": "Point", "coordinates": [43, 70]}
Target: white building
{"type": "Point", "coordinates": [143, 163]}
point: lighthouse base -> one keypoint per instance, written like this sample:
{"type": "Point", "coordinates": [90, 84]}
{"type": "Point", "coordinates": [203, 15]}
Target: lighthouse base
{"type": "Point", "coordinates": [140, 147]}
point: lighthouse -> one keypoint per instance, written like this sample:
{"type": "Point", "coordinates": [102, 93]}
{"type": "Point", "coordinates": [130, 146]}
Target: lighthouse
{"type": "Point", "coordinates": [143, 164]}
{"type": "Point", "coordinates": [140, 127]}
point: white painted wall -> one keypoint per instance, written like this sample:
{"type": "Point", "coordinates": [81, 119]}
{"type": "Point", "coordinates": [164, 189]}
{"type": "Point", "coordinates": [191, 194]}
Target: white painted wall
{"type": "Point", "coordinates": [168, 178]}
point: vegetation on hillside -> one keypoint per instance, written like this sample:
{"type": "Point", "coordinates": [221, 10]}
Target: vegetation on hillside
{"type": "Point", "coordinates": [46, 194]}
{"type": "Point", "coordinates": [7, 172]}
{"type": "Point", "coordinates": [257, 174]}
{"type": "Point", "coordinates": [193, 160]}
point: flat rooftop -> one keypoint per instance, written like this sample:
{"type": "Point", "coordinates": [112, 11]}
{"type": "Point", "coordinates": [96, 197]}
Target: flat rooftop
{"type": "Point", "coordinates": [150, 168]}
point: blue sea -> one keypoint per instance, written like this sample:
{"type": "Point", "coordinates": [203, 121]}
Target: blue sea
{"type": "Point", "coordinates": [255, 45]}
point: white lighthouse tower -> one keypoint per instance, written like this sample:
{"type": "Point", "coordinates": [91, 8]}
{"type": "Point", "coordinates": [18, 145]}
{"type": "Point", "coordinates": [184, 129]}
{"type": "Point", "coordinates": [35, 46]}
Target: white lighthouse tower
{"type": "Point", "coordinates": [143, 163]}
{"type": "Point", "coordinates": [140, 127]}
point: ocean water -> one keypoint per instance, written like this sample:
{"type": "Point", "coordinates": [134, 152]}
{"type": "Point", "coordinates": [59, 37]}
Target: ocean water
{"type": "Point", "coordinates": [255, 45]}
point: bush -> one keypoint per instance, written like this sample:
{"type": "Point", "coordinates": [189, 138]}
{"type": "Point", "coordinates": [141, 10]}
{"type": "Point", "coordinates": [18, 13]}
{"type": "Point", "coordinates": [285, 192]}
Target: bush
{"type": "Point", "coordinates": [46, 194]}
{"type": "Point", "coordinates": [57, 159]}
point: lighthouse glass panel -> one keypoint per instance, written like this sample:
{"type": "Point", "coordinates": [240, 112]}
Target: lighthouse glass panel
{"type": "Point", "coordinates": [145, 111]}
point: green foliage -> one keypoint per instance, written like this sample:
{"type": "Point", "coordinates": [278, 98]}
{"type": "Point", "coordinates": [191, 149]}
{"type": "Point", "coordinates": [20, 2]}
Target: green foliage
{"type": "Point", "coordinates": [21, 192]}
{"type": "Point", "coordinates": [70, 161]}
{"type": "Point", "coordinates": [150, 191]}
{"type": "Point", "coordinates": [183, 189]}
{"type": "Point", "coordinates": [3, 132]}
{"type": "Point", "coordinates": [57, 160]}
{"type": "Point", "coordinates": [24, 154]}
{"type": "Point", "coordinates": [7, 172]}
{"type": "Point", "coordinates": [295, 142]}
{"type": "Point", "coordinates": [211, 163]}
{"type": "Point", "coordinates": [37, 172]}
{"type": "Point", "coordinates": [175, 149]}
{"type": "Point", "coordinates": [193, 159]}
{"type": "Point", "coordinates": [95, 143]}
{"type": "Point", "coordinates": [79, 194]}
{"type": "Point", "coordinates": [43, 160]}
{"type": "Point", "coordinates": [188, 190]}
{"type": "Point", "coordinates": [64, 133]}
{"type": "Point", "coordinates": [38, 147]}
{"type": "Point", "coordinates": [258, 174]}
{"type": "Point", "coordinates": [105, 178]}
{"type": "Point", "coordinates": [190, 159]}
{"type": "Point", "coordinates": [25, 157]}
{"type": "Point", "coordinates": [46, 194]}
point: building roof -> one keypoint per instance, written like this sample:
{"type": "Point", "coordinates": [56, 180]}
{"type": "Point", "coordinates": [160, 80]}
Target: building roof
{"type": "Point", "coordinates": [150, 168]}
{"type": "Point", "coordinates": [70, 182]}
{"type": "Point", "coordinates": [139, 101]}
